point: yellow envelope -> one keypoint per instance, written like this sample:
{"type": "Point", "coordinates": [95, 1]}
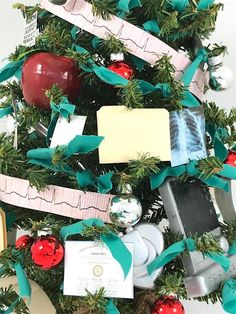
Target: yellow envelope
{"type": "Point", "coordinates": [129, 132]}
{"type": "Point", "coordinates": [3, 231]}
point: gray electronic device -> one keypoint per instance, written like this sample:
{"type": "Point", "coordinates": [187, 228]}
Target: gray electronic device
{"type": "Point", "coordinates": [190, 210]}
{"type": "Point", "coordinates": [226, 202]}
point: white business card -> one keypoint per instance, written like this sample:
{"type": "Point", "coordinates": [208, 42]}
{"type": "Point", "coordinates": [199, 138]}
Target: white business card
{"type": "Point", "coordinates": [90, 266]}
{"type": "Point", "coordinates": [66, 130]}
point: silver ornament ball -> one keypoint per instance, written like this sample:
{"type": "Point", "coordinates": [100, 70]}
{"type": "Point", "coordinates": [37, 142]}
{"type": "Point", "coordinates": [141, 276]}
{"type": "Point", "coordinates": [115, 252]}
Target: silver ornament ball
{"type": "Point", "coordinates": [221, 77]}
{"type": "Point", "coordinates": [125, 211]}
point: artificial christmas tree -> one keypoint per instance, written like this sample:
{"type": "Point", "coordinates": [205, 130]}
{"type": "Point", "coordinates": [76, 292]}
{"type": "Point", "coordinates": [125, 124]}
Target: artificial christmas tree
{"type": "Point", "coordinates": [114, 154]}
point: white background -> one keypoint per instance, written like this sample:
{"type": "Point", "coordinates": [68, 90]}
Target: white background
{"type": "Point", "coordinates": [11, 26]}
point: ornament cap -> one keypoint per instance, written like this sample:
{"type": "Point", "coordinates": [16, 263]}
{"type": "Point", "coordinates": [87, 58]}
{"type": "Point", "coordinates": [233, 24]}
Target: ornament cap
{"type": "Point", "coordinates": [126, 189]}
{"type": "Point", "coordinates": [213, 61]}
{"type": "Point", "coordinates": [118, 56]}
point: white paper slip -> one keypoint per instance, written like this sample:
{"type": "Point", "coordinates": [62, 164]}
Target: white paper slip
{"type": "Point", "coordinates": [31, 31]}
{"type": "Point", "coordinates": [66, 130]}
{"type": "Point", "coordinates": [90, 266]}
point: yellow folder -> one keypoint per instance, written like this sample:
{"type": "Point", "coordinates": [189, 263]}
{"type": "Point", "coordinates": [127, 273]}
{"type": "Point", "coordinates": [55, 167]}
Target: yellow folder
{"type": "Point", "coordinates": [129, 132]}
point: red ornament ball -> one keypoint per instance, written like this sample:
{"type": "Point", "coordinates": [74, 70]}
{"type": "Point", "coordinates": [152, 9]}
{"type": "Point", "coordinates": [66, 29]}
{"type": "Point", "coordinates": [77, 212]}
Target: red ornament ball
{"type": "Point", "coordinates": [41, 71]}
{"type": "Point", "coordinates": [47, 251]}
{"type": "Point", "coordinates": [168, 305]}
{"type": "Point", "coordinates": [121, 68]}
{"type": "Point", "coordinates": [231, 158]}
{"type": "Point", "coordinates": [24, 241]}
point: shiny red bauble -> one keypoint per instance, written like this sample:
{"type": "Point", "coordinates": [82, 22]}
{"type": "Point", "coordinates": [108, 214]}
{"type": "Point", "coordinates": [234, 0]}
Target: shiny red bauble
{"type": "Point", "coordinates": [47, 251]}
{"type": "Point", "coordinates": [121, 68]}
{"type": "Point", "coordinates": [231, 158]}
{"type": "Point", "coordinates": [41, 71]}
{"type": "Point", "coordinates": [168, 305]}
{"type": "Point", "coordinates": [24, 241]}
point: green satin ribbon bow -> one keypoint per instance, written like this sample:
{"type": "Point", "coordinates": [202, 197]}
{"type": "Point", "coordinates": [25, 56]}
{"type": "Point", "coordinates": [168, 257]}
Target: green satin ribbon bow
{"type": "Point", "coordinates": [112, 241]}
{"type": "Point", "coordinates": [103, 183]}
{"type": "Point", "coordinates": [64, 109]}
{"type": "Point", "coordinates": [229, 296]}
{"type": "Point", "coordinates": [191, 169]}
{"type": "Point", "coordinates": [80, 144]}
{"type": "Point", "coordinates": [127, 5]}
{"type": "Point", "coordinates": [5, 111]}
{"type": "Point", "coordinates": [23, 284]}
{"type": "Point", "coordinates": [179, 247]}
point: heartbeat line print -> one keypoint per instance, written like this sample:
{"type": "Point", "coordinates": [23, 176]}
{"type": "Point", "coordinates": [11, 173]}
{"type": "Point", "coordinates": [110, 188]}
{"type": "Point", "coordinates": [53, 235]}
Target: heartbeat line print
{"type": "Point", "coordinates": [57, 200]}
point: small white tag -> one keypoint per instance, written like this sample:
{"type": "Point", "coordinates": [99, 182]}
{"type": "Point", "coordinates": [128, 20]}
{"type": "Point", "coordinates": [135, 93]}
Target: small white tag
{"type": "Point", "coordinates": [90, 266]}
{"type": "Point", "coordinates": [65, 131]}
{"type": "Point", "coordinates": [31, 31]}
{"type": "Point", "coordinates": [7, 124]}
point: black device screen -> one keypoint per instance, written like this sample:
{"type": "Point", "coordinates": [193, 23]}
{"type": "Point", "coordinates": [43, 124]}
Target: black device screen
{"type": "Point", "coordinates": [195, 206]}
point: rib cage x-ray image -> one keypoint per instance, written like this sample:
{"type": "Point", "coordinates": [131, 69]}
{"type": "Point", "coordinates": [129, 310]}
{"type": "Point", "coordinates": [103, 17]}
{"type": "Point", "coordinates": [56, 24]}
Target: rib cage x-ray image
{"type": "Point", "coordinates": [187, 132]}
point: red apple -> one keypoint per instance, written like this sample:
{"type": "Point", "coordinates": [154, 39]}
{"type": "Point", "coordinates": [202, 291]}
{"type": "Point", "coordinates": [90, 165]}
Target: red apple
{"type": "Point", "coordinates": [44, 69]}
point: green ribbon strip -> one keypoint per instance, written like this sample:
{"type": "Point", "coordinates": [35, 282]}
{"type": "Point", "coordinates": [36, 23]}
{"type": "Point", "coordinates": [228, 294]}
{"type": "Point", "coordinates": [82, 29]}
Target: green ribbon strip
{"type": "Point", "coordinates": [170, 253]}
{"type": "Point", "coordinates": [23, 284]}
{"type": "Point", "coordinates": [151, 26]}
{"type": "Point", "coordinates": [220, 259]}
{"type": "Point", "coordinates": [215, 181]}
{"type": "Point", "coordinates": [102, 183]}
{"type": "Point", "coordinates": [113, 242]}
{"type": "Point", "coordinates": [179, 247]}
{"type": "Point", "coordinates": [127, 5]}
{"type": "Point", "coordinates": [218, 134]}
{"type": "Point", "coordinates": [229, 296]}
{"type": "Point", "coordinates": [80, 144]}
{"type": "Point", "coordinates": [64, 109]}
{"type": "Point", "coordinates": [10, 70]}
{"type": "Point", "coordinates": [111, 308]}
{"type": "Point", "coordinates": [5, 111]}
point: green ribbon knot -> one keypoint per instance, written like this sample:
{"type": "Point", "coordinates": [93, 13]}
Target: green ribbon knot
{"type": "Point", "coordinates": [111, 240]}
{"type": "Point", "coordinates": [179, 247]}
{"type": "Point", "coordinates": [64, 108]}
{"type": "Point", "coordinates": [80, 144]}
{"type": "Point", "coordinates": [102, 183]}
{"type": "Point", "coordinates": [216, 180]}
